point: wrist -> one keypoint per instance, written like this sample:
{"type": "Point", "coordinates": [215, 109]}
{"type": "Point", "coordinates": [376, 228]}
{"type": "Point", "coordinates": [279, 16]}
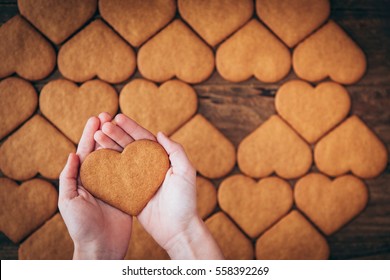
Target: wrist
{"type": "Point", "coordinates": [93, 252]}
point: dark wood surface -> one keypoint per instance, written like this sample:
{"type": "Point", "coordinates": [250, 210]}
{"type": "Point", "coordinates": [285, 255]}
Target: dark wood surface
{"type": "Point", "coordinates": [237, 109]}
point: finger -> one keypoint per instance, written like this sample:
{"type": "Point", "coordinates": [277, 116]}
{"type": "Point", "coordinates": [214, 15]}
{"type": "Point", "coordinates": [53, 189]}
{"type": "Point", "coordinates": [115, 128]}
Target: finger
{"type": "Point", "coordinates": [117, 134]}
{"type": "Point", "coordinates": [103, 117]}
{"type": "Point", "coordinates": [106, 142]}
{"type": "Point", "coordinates": [68, 178]}
{"type": "Point", "coordinates": [87, 142]}
{"type": "Point", "coordinates": [132, 128]}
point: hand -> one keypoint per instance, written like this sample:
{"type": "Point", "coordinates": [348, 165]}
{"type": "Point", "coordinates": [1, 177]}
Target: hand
{"type": "Point", "coordinates": [98, 230]}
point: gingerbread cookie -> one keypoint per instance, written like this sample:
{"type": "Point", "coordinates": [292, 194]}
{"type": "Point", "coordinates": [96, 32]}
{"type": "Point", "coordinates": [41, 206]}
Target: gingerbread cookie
{"type": "Point", "coordinates": [51, 242]}
{"type": "Point", "coordinates": [211, 153]}
{"type": "Point", "coordinates": [176, 52]}
{"type": "Point", "coordinates": [329, 52]}
{"type": "Point", "coordinates": [137, 20]}
{"type": "Point", "coordinates": [351, 146]}
{"type": "Point", "coordinates": [215, 20]}
{"type": "Point", "coordinates": [312, 111]}
{"type": "Point", "coordinates": [96, 51]}
{"type": "Point", "coordinates": [274, 147]}
{"type": "Point", "coordinates": [163, 108]}
{"type": "Point", "coordinates": [253, 51]}
{"type": "Point", "coordinates": [24, 51]}
{"type": "Point", "coordinates": [330, 204]}
{"type": "Point", "coordinates": [24, 208]}
{"type": "Point", "coordinates": [292, 238]}
{"type": "Point", "coordinates": [57, 19]}
{"type": "Point", "coordinates": [206, 197]}
{"type": "Point", "coordinates": [255, 206]}
{"type": "Point", "coordinates": [18, 101]}
{"type": "Point", "coordinates": [234, 245]}
{"type": "Point", "coordinates": [292, 21]}
{"type": "Point", "coordinates": [139, 171]}
{"type": "Point", "coordinates": [68, 106]}
{"type": "Point", "coordinates": [37, 147]}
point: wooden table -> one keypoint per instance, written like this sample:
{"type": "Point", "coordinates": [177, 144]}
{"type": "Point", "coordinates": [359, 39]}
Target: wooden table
{"type": "Point", "coordinates": [237, 109]}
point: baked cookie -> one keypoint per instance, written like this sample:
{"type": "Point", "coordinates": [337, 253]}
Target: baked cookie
{"type": "Point", "coordinates": [312, 111]}
{"type": "Point", "coordinates": [292, 21]}
{"type": "Point", "coordinates": [137, 20]}
{"type": "Point", "coordinates": [18, 101]}
{"type": "Point", "coordinates": [329, 52]}
{"type": "Point", "coordinates": [96, 51]}
{"type": "Point", "coordinates": [255, 206]}
{"type": "Point", "coordinates": [215, 20]}
{"type": "Point", "coordinates": [175, 52]}
{"type": "Point", "coordinates": [51, 242]}
{"type": "Point", "coordinates": [234, 245]}
{"type": "Point", "coordinates": [274, 147]}
{"type": "Point", "coordinates": [292, 238]}
{"type": "Point", "coordinates": [24, 51]}
{"type": "Point", "coordinates": [211, 153]}
{"type": "Point", "coordinates": [206, 197]}
{"type": "Point", "coordinates": [24, 208]}
{"type": "Point", "coordinates": [37, 147]}
{"type": "Point", "coordinates": [351, 146]}
{"type": "Point", "coordinates": [57, 19]}
{"type": "Point", "coordinates": [330, 204]}
{"type": "Point", "coordinates": [139, 171]}
{"type": "Point", "coordinates": [163, 108]}
{"type": "Point", "coordinates": [253, 51]}
{"type": "Point", "coordinates": [68, 106]}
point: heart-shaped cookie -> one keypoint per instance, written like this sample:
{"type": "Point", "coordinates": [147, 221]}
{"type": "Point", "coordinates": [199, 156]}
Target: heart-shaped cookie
{"type": "Point", "coordinates": [163, 108]}
{"type": "Point", "coordinates": [351, 146]}
{"type": "Point", "coordinates": [96, 51]}
{"type": "Point", "coordinates": [329, 52]}
{"type": "Point", "coordinates": [312, 111]}
{"type": "Point", "coordinates": [211, 153]}
{"type": "Point", "coordinates": [126, 180]}
{"type": "Point", "coordinates": [206, 197]}
{"type": "Point", "coordinates": [24, 208]}
{"type": "Point", "coordinates": [24, 51]}
{"type": "Point", "coordinates": [255, 206]}
{"type": "Point", "coordinates": [176, 52]}
{"type": "Point", "coordinates": [37, 147]}
{"type": "Point", "coordinates": [330, 204]}
{"type": "Point", "coordinates": [18, 101]}
{"type": "Point", "coordinates": [292, 238]}
{"type": "Point", "coordinates": [293, 20]}
{"type": "Point", "coordinates": [274, 147]}
{"type": "Point", "coordinates": [215, 20]}
{"type": "Point", "coordinates": [137, 20]}
{"type": "Point", "coordinates": [57, 19]}
{"type": "Point", "coordinates": [68, 106]}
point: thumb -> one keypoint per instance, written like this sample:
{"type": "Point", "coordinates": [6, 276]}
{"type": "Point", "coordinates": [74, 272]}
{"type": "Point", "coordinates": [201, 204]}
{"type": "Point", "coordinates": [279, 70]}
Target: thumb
{"type": "Point", "coordinates": [68, 178]}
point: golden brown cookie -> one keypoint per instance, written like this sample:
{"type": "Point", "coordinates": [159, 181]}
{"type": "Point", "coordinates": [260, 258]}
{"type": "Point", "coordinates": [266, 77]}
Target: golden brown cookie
{"type": "Point", "coordinates": [57, 19]}
{"type": "Point", "coordinates": [329, 52]}
{"type": "Point", "coordinates": [37, 147]}
{"type": "Point", "coordinates": [233, 243]}
{"type": "Point", "coordinates": [137, 20]}
{"type": "Point", "coordinates": [176, 52]}
{"type": "Point", "coordinates": [274, 147]}
{"type": "Point", "coordinates": [51, 242]}
{"type": "Point", "coordinates": [312, 111]}
{"type": "Point", "coordinates": [215, 20]}
{"type": "Point", "coordinates": [134, 175]}
{"type": "Point", "coordinates": [255, 206]}
{"type": "Point", "coordinates": [68, 106]}
{"type": "Point", "coordinates": [293, 20]}
{"type": "Point", "coordinates": [206, 197]}
{"type": "Point", "coordinates": [292, 238]}
{"type": "Point", "coordinates": [163, 108]}
{"type": "Point", "coordinates": [96, 51]}
{"type": "Point", "coordinates": [142, 246]}
{"type": "Point", "coordinates": [18, 101]}
{"type": "Point", "coordinates": [26, 207]}
{"type": "Point", "coordinates": [211, 153]}
{"type": "Point", "coordinates": [351, 146]}
{"type": "Point", "coordinates": [330, 204]}
{"type": "Point", "coordinates": [253, 51]}
{"type": "Point", "coordinates": [24, 51]}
